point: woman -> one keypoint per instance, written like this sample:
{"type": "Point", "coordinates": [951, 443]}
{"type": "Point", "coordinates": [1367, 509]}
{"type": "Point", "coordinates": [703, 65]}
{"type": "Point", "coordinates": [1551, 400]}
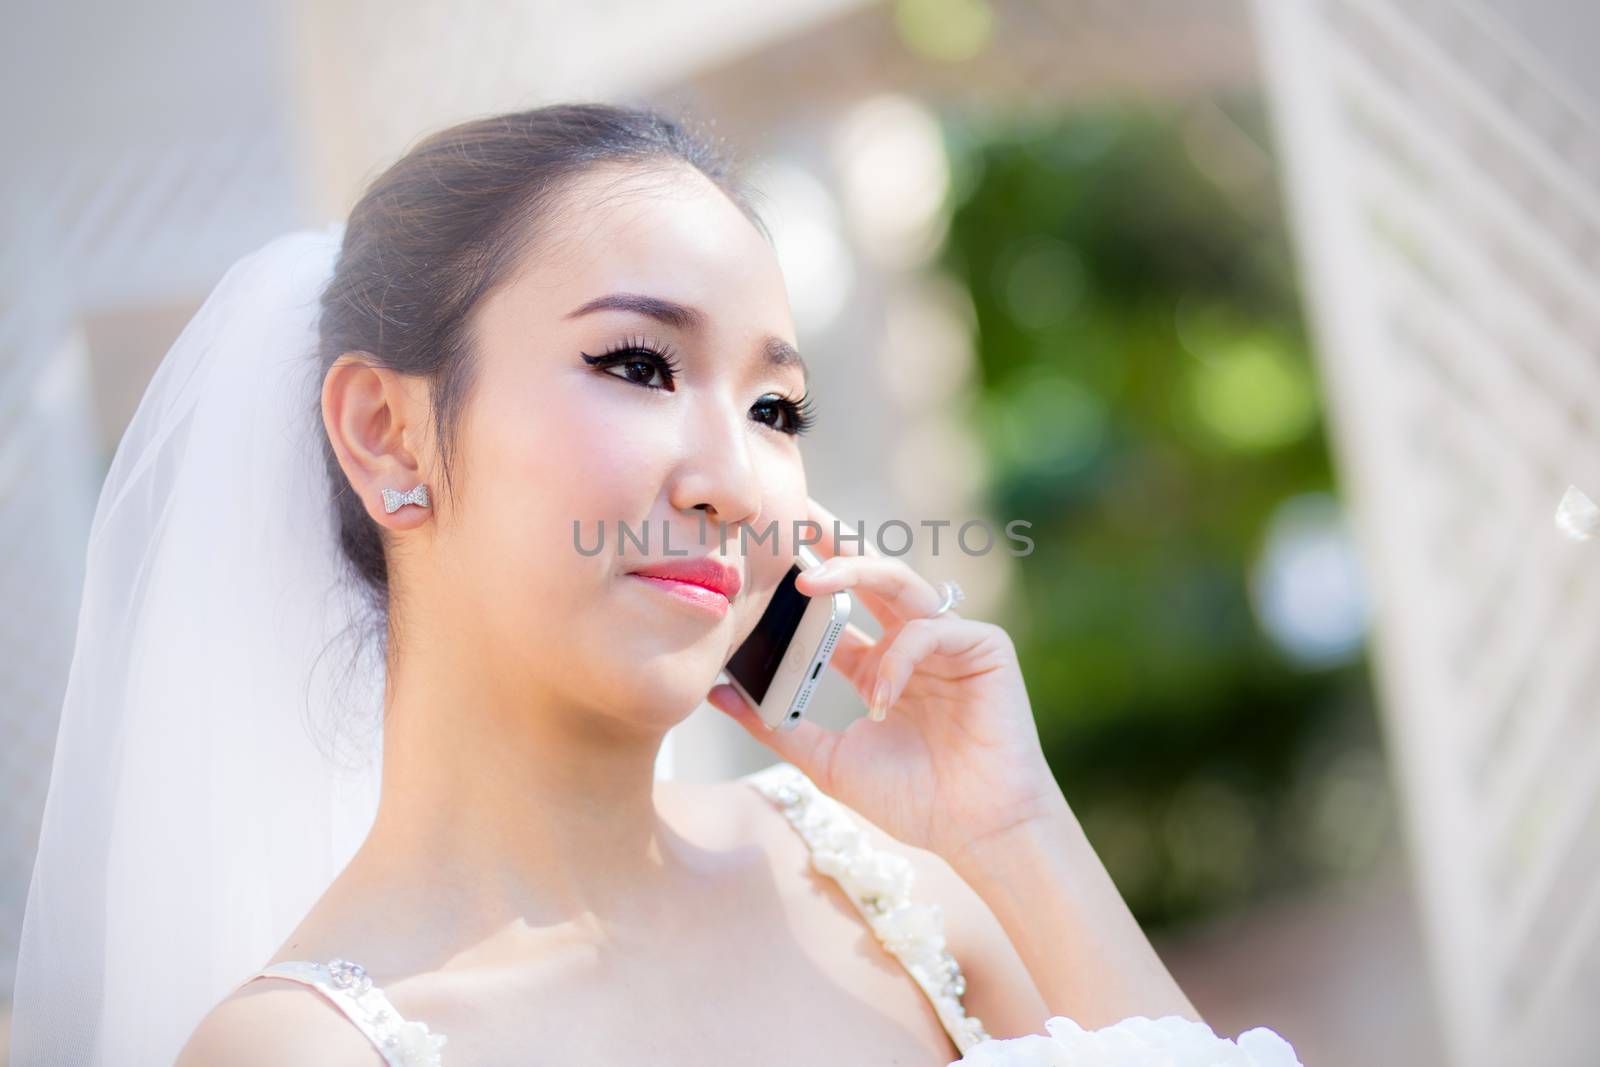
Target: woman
{"type": "Point", "coordinates": [562, 319]}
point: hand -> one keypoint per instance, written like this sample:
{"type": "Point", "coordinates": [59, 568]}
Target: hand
{"type": "Point", "coordinates": [956, 760]}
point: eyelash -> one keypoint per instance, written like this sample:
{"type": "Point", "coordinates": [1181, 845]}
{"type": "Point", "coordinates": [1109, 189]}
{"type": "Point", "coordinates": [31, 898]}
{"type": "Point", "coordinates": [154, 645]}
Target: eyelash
{"type": "Point", "coordinates": [799, 414]}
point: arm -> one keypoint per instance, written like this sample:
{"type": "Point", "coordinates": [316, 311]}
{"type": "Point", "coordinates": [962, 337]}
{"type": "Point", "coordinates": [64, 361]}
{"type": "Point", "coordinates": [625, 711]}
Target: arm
{"type": "Point", "coordinates": [1058, 905]}
{"type": "Point", "coordinates": [271, 1022]}
{"type": "Point", "coordinates": [1005, 980]}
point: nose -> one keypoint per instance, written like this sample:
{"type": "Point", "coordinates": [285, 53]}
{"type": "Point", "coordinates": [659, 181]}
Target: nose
{"type": "Point", "coordinates": [719, 474]}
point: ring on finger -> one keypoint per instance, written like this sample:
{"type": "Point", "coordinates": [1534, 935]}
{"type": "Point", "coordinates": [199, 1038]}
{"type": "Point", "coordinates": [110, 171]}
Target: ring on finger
{"type": "Point", "coordinates": [952, 595]}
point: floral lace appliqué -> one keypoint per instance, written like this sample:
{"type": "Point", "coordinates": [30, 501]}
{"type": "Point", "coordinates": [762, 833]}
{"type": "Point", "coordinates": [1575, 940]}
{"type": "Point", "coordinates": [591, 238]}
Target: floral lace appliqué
{"type": "Point", "coordinates": [1171, 1041]}
{"type": "Point", "coordinates": [879, 884]}
{"type": "Point", "coordinates": [350, 988]}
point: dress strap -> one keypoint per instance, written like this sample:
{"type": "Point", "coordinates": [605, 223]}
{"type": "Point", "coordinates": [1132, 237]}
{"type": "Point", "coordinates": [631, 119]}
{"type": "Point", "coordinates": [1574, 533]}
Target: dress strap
{"type": "Point", "coordinates": [348, 986]}
{"type": "Point", "coordinates": [878, 883]}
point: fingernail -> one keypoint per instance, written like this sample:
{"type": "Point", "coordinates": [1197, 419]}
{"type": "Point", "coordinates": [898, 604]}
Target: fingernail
{"type": "Point", "coordinates": [880, 701]}
{"type": "Point", "coordinates": [822, 570]}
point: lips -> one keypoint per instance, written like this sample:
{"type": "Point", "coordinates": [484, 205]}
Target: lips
{"type": "Point", "coordinates": [703, 571]}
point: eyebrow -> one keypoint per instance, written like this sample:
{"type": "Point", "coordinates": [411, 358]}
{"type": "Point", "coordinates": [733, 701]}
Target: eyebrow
{"type": "Point", "coordinates": [774, 351]}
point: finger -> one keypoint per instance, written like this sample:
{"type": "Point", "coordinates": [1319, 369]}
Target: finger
{"type": "Point", "coordinates": [831, 545]}
{"type": "Point", "coordinates": [916, 641]}
{"type": "Point", "coordinates": [897, 591]}
{"type": "Point", "coordinates": [846, 545]}
{"type": "Point", "coordinates": [806, 745]}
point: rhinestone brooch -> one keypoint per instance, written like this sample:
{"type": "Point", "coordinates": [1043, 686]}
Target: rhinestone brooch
{"type": "Point", "coordinates": [408, 1044]}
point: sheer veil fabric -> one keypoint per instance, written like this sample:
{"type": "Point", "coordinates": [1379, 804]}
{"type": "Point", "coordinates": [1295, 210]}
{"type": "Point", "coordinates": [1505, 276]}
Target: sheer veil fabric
{"type": "Point", "coordinates": [219, 751]}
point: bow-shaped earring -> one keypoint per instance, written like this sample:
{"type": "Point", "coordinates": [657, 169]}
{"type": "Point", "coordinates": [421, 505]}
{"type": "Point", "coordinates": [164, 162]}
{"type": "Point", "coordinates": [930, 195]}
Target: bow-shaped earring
{"type": "Point", "coordinates": [393, 500]}
{"type": "Point", "coordinates": [1577, 516]}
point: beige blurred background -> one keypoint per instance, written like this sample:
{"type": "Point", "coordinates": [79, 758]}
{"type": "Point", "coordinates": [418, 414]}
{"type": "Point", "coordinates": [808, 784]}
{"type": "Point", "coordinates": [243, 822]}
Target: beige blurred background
{"type": "Point", "coordinates": [1435, 165]}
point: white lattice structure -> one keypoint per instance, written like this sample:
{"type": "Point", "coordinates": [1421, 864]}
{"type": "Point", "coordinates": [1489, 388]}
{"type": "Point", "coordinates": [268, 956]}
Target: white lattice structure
{"type": "Point", "coordinates": [1443, 190]}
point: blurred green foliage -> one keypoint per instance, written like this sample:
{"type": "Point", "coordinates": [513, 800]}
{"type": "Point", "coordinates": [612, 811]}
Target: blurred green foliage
{"type": "Point", "coordinates": [1147, 400]}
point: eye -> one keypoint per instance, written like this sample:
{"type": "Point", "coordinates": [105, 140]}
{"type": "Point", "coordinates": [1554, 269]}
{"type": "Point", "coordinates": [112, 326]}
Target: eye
{"type": "Point", "coordinates": [640, 361]}
{"type": "Point", "coordinates": [797, 415]}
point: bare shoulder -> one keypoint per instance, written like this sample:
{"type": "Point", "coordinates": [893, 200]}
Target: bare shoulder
{"type": "Point", "coordinates": [1000, 990]}
{"type": "Point", "coordinates": [273, 1021]}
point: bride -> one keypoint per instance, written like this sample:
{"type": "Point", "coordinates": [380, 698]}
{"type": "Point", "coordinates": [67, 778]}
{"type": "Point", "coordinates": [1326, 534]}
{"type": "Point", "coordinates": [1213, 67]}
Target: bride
{"type": "Point", "coordinates": [385, 433]}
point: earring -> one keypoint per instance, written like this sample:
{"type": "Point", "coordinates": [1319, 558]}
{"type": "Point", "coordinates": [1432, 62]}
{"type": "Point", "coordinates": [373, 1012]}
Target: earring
{"type": "Point", "coordinates": [394, 500]}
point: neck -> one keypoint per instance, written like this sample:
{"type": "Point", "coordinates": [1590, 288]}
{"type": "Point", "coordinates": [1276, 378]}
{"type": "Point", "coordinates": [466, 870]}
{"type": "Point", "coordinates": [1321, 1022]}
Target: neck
{"type": "Point", "coordinates": [510, 802]}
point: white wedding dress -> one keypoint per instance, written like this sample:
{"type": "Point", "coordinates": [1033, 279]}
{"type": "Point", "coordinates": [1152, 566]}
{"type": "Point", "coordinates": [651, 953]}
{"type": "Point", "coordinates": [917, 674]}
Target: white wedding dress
{"type": "Point", "coordinates": [879, 884]}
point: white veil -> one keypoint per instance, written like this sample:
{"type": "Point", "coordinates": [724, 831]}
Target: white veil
{"type": "Point", "coordinates": [219, 751]}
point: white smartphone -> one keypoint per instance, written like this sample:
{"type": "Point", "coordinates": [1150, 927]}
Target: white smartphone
{"type": "Point", "coordinates": [778, 666]}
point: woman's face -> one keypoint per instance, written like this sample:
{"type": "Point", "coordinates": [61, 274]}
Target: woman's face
{"type": "Point", "coordinates": [550, 437]}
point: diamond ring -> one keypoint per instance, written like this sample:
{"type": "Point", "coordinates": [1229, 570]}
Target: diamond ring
{"type": "Point", "coordinates": [952, 595]}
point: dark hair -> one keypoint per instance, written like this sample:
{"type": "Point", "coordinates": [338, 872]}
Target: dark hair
{"type": "Point", "coordinates": [442, 227]}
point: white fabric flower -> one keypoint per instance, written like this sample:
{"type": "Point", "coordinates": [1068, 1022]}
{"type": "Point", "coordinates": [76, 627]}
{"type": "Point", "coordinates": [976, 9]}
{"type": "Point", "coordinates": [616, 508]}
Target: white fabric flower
{"type": "Point", "coordinates": [885, 875]}
{"type": "Point", "coordinates": [417, 1046]}
{"type": "Point", "coordinates": [1171, 1041]}
{"type": "Point", "coordinates": [913, 927]}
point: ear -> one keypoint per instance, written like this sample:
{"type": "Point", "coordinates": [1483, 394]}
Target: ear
{"type": "Point", "coordinates": [378, 422]}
